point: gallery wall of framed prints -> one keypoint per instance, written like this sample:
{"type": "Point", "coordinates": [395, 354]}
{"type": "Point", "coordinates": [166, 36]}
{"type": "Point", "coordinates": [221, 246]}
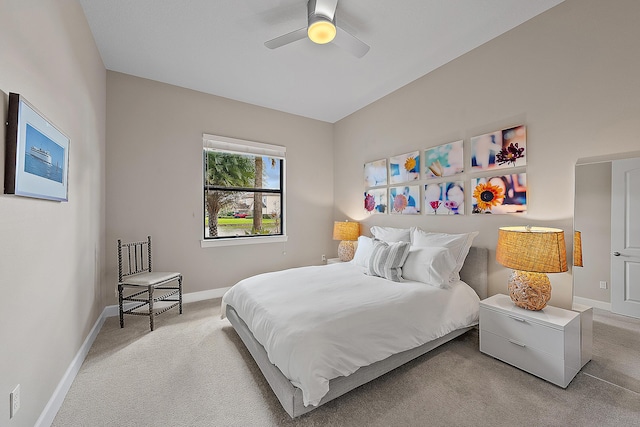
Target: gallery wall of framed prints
{"type": "Point", "coordinates": [441, 180]}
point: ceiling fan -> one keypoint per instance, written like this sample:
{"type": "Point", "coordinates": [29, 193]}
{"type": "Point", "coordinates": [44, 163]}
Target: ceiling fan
{"type": "Point", "coordinates": [321, 29]}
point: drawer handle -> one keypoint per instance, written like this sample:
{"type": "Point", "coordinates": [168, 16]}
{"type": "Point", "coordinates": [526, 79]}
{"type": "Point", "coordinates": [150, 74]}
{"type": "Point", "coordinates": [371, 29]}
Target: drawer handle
{"type": "Point", "coordinates": [517, 318]}
{"type": "Point", "coordinates": [517, 343]}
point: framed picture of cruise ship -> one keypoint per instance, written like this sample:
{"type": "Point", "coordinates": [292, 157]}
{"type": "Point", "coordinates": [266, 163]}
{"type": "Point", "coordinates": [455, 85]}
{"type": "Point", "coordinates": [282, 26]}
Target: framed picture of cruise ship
{"type": "Point", "coordinates": [37, 154]}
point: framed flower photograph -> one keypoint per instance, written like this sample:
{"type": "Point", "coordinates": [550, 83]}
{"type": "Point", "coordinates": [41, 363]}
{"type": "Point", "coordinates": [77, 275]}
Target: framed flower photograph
{"type": "Point", "coordinates": [405, 200]}
{"type": "Point", "coordinates": [444, 160]}
{"type": "Point", "coordinates": [501, 194]}
{"type": "Point", "coordinates": [375, 173]}
{"type": "Point", "coordinates": [375, 201]}
{"type": "Point", "coordinates": [404, 168]}
{"type": "Point", "coordinates": [444, 198]}
{"type": "Point", "coordinates": [498, 150]}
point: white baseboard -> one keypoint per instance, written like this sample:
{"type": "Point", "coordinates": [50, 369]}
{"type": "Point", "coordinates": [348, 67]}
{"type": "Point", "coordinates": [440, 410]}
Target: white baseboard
{"type": "Point", "coordinates": [55, 402]}
{"type": "Point", "coordinates": [592, 303]}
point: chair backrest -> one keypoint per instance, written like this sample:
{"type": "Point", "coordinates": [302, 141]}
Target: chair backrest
{"type": "Point", "coordinates": [134, 258]}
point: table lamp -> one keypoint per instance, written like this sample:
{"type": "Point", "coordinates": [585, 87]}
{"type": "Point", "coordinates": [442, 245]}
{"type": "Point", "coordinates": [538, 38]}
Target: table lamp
{"type": "Point", "coordinates": [531, 252]}
{"type": "Point", "coordinates": [347, 232]}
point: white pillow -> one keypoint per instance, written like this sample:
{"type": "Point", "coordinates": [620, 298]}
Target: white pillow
{"type": "Point", "coordinates": [458, 244]}
{"type": "Point", "coordinates": [387, 259]}
{"type": "Point", "coordinates": [390, 234]}
{"type": "Point", "coordinates": [430, 265]}
{"type": "Point", "coordinates": [363, 251]}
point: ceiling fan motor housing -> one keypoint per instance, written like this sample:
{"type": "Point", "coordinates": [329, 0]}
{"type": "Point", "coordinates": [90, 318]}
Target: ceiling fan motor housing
{"type": "Point", "coordinates": [321, 27]}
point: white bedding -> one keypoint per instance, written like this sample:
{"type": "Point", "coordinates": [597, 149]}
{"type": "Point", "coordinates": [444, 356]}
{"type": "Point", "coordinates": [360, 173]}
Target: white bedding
{"type": "Point", "coordinates": [318, 323]}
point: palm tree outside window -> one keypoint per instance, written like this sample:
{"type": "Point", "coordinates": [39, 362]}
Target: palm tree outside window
{"type": "Point", "coordinates": [243, 188]}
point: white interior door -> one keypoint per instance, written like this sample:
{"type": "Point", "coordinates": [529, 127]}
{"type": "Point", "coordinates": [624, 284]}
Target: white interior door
{"type": "Point", "coordinates": [625, 237]}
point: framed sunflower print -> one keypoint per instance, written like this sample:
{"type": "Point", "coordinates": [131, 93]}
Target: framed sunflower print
{"type": "Point", "coordinates": [499, 150]}
{"type": "Point", "coordinates": [404, 168]}
{"type": "Point", "coordinates": [500, 194]}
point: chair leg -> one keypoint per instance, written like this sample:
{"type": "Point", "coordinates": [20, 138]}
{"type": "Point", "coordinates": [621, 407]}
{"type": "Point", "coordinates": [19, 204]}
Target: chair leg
{"type": "Point", "coordinates": [180, 292]}
{"type": "Point", "coordinates": [150, 292]}
{"type": "Point", "coordinates": [120, 306]}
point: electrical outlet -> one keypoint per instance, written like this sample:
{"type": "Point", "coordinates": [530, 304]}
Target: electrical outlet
{"type": "Point", "coordinates": [324, 258]}
{"type": "Point", "coordinates": [603, 284]}
{"type": "Point", "coordinates": [14, 401]}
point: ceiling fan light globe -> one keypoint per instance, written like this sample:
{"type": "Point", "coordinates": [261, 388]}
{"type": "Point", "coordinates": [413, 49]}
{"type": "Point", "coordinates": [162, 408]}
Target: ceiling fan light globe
{"type": "Point", "coordinates": [321, 32]}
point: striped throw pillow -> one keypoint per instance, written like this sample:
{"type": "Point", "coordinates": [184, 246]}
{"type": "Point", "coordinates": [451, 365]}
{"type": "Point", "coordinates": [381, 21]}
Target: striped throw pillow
{"type": "Point", "coordinates": [387, 259]}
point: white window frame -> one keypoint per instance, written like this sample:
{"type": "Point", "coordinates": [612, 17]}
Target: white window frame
{"type": "Point", "coordinates": [241, 146]}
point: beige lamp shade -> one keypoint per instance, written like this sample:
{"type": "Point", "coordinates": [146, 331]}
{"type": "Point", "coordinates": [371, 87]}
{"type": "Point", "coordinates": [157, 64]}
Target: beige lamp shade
{"type": "Point", "coordinates": [577, 249]}
{"type": "Point", "coordinates": [533, 249]}
{"type": "Point", "coordinates": [531, 252]}
{"type": "Point", "coordinates": [347, 232]}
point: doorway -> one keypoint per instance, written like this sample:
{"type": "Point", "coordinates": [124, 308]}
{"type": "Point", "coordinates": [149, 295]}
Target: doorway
{"type": "Point", "coordinates": [625, 237]}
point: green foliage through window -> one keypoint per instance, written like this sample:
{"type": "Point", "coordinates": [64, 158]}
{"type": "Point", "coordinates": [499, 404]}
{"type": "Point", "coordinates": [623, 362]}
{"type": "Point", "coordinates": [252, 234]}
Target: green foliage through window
{"type": "Point", "coordinates": [243, 194]}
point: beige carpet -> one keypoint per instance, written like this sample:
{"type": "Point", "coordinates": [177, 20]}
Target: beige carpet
{"type": "Point", "coordinates": [193, 370]}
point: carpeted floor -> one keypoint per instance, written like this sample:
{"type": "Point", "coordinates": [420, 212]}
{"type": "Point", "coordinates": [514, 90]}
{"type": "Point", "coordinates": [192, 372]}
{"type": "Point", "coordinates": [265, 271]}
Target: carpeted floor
{"type": "Point", "coordinates": [193, 370]}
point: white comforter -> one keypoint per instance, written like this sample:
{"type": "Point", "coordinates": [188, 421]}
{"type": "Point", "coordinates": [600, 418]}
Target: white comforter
{"type": "Point", "coordinates": [318, 323]}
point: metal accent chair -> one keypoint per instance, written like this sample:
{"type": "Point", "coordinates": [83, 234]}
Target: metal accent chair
{"type": "Point", "coordinates": [147, 286]}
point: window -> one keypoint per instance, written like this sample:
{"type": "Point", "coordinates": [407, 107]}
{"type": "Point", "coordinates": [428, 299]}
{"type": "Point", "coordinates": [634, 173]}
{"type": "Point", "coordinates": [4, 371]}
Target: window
{"type": "Point", "coordinates": [243, 191]}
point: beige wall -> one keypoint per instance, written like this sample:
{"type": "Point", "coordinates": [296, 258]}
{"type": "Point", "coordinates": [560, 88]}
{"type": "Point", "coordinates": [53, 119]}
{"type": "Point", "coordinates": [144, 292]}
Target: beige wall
{"type": "Point", "coordinates": [154, 181]}
{"type": "Point", "coordinates": [51, 254]}
{"type": "Point", "coordinates": [569, 75]}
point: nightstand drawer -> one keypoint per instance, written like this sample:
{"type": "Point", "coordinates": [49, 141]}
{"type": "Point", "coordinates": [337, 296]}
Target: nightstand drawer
{"type": "Point", "coordinates": [511, 326]}
{"type": "Point", "coordinates": [528, 359]}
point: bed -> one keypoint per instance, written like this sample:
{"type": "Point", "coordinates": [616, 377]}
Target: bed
{"type": "Point", "coordinates": [285, 357]}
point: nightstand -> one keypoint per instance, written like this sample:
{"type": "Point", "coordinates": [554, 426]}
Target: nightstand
{"type": "Point", "coordinates": [545, 343]}
{"type": "Point", "coordinates": [333, 261]}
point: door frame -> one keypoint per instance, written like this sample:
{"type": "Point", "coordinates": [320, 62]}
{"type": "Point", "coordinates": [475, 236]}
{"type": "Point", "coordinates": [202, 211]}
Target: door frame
{"type": "Point", "coordinates": [625, 253]}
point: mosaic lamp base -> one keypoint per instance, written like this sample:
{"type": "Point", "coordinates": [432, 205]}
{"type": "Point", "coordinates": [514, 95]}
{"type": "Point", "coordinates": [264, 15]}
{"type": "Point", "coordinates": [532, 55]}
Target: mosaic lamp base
{"type": "Point", "coordinates": [346, 250]}
{"type": "Point", "coordinates": [529, 290]}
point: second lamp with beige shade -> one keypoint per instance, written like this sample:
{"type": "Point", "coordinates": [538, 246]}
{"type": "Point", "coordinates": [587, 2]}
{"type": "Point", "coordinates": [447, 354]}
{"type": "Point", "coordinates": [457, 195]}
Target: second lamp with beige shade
{"type": "Point", "coordinates": [347, 232]}
{"type": "Point", "coordinates": [531, 252]}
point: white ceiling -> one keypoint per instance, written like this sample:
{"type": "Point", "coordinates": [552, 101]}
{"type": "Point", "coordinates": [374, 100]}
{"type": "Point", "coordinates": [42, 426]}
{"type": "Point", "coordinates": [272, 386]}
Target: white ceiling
{"type": "Point", "coordinates": [217, 46]}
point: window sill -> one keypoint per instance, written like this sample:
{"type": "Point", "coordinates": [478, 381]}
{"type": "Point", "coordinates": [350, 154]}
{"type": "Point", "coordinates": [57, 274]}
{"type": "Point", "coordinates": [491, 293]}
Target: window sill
{"type": "Point", "coordinates": [238, 241]}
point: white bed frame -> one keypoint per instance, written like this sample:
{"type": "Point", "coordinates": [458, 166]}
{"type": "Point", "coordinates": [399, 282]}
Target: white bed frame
{"type": "Point", "coordinates": [474, 273]}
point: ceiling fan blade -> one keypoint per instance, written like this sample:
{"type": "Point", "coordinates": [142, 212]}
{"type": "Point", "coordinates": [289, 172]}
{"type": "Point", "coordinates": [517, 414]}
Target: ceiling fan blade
{"type": "Point", "coordinates": [326, 8]}
{"type": "Point", "coordinates": [286, 38]}
{"type": "Point", "coordinates": [349, 42]}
